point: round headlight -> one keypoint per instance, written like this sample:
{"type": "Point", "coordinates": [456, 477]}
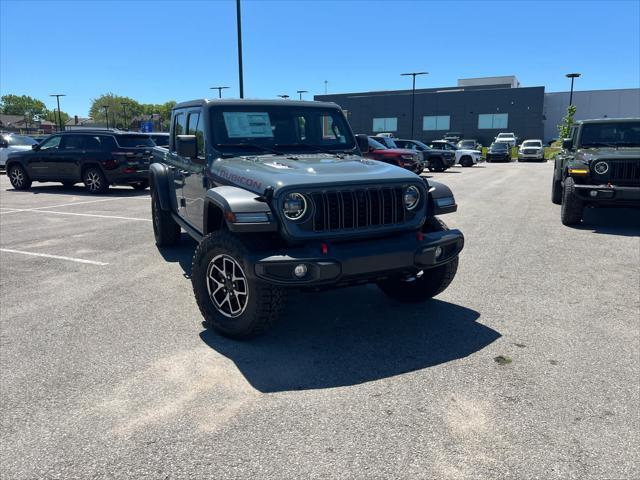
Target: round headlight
{"type": "Point", "coordinates": [295, 206]}
{"type": "Point", "coordinates": [411, 197]}
{"type": "Point", "coordinates": [601, 168]}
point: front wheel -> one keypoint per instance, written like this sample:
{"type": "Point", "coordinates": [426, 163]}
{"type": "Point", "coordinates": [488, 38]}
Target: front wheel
{"type": "Point", "coordinates": [94, 180]}
{"type": "Point", "coordinates": [232, 302]}
{"type": "Point", "coordinates": [556, 191]}
{"type": "Point", "coordinates": [165, 229]}
{"type": "Point", "coordinates": [141, 185]}
{"type": "Point", "coordinates": [572, 206]}
{"type": "Point", "coordinates": [19, 178]}
{"type": "Point", "coordinates": [466, 161]}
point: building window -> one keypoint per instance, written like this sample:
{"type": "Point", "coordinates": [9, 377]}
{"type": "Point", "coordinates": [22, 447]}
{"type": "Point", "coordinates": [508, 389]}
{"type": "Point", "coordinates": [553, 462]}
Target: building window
{"type": "Point", "coordinates": [440, 122]}
{"type": "Point", "coordinates": [385, 124]}
{"type": "Point", "coordinates": [493, 120]}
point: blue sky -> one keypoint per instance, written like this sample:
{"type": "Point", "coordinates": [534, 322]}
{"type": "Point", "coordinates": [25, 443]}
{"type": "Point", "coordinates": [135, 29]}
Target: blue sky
{"type": "Point", "coordinates": [156, 51]}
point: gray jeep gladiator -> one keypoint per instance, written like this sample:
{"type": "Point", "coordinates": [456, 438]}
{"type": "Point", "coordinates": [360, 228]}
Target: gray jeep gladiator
{"type": "Point", "coordinates": [279, 197]}
{"type": "Point", "coordinates": [599, 166]}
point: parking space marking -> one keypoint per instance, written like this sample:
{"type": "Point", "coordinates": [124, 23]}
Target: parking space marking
{"type": "Point", "coordinates": [61, 205]}
{"type": "Point", "coordinates": [57, 257]}
{"type": "Point", "coordinates": [87, 215]}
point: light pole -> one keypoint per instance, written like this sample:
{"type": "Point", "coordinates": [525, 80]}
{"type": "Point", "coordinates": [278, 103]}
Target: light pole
{"type": "Point", "coordinates": [572, 76]}
{"type": "Point", "coordinates": [124, 110]}
{"type": "Point", "coordinates": [326, 82]}
{"type": "Point", "coordinates": [300, 92]}
{"type": "Point", "coordinates": [413, 96]}
{"type": "Point", "coordinates": [219, 90]}
{"type": "Point", "coordinates": [58, 95]}
{"type": "Point", "coordinates": [106, 114]}
{"type": "Point", "coordinates": [239, 27]}
{"type": "Point", "coordinates": [285, 96]}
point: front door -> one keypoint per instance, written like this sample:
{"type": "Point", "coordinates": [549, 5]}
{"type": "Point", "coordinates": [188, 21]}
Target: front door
{"type": "Point", "coordinates": [39, 162]}
{"type": "Point", "coordinates": [194, 188]}
{"type": "Point", "coordinates": [176, 165]}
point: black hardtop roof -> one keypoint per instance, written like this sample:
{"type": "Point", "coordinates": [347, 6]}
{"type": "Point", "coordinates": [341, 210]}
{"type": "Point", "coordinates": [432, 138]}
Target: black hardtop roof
{"type": "Point", "coordinates": [104, 131]}
{"type": "Point", "coordinates": [264, 103]}
{"type": "Point", "coordinates": [607, 120]}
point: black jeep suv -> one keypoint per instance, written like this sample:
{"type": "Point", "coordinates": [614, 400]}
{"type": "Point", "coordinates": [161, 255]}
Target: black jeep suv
{"type": "Point", "coordinates": [279, 197]}
{"type": "Point", "coordinates": [96, 157]}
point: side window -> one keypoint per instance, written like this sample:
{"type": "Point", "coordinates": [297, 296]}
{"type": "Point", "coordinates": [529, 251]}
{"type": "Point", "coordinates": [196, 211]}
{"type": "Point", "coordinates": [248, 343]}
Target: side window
{"type": "Point", "coordinates": [196, 127]}
{"type": "Point", "coordinates": [179, 127]}
{"type": "Point", "coordinates": [73, 142]}
{"type": "Point", "coordinates": [91, 143]}
{"type": "Point", "coordinates": [107, 143]}
{"type": "Point", "coordinates": [51, 144]}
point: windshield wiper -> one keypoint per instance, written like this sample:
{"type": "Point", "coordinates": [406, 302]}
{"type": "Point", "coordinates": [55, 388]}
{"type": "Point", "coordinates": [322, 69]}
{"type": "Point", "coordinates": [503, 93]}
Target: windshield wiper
{"type": "Point", "coordinates": [310, 147]}
{"type": "Point", "coordinates": [250, 145]}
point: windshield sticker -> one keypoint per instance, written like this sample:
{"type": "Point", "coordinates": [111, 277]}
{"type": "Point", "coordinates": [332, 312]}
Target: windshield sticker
{"type": "Point", "coordinates": [248, 124]}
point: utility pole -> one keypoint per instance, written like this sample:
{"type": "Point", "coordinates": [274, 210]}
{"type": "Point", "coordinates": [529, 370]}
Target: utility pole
{"type": "Point", "coordinates": [106, 113]}
{"type": "Point", "coordinates": [58, 95]}
{"type": "Point", "coordinates": [219, 90]}
{"type": "Point", "coordinates": [239, 27]}
{"type": "Point", "coordinates": [572, 76]}
{"type": "Point", "coordinates": [326, 82]}
{"type": "Point", "coordinates": [413, 97]}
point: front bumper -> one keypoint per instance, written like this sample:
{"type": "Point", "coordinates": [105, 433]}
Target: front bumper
{"type": "Point", "coordinates": [608, 195]}
{"type": "Point", "coordinates": [358, 262]}
{"type": "Point", "coordinates": [531, 156]}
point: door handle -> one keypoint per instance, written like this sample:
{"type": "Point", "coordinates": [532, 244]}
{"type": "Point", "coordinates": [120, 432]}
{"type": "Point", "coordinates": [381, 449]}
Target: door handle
{"type": "Point", "coordinates": [185, 173]}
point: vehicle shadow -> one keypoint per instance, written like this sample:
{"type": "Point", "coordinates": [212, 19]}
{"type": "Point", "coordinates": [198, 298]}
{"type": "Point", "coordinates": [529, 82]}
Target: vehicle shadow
{"type": "Point", "coordinates": [182, 253]}
{"type": "Point", "coordinates": [611, 221]}
{"type": "Point", "coordinates": [79, 191]}
{"type": "Point", "coordinates": [347, 337]}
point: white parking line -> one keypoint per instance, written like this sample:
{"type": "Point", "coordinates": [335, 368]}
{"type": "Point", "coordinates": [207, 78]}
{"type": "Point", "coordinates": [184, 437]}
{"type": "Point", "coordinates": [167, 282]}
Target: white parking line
{"type": "Point", "coordinates": [57, 257]}
{"type": "Point", "coordinates": [61, 205]}
{"type": "Point", "coordinates": [88, 215]}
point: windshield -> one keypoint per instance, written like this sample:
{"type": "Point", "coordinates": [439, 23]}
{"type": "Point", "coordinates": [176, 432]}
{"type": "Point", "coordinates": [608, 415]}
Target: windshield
{"type": "Point", "coordinates": [467, 144]}
{"type": "Point", "coordinates": [132, 141]}
{"type": "Point", "coordinates": [532, 143]}
{"type": "Point", "coordinates": [505, 135]}
{"type": "Point", "coordinates": [20, 140]}
{"type": "Point", "coordinates": [376, 145]}
{"type": "Point", "coordinates": [610, 134]}
{"type": "Point", "coordinates": [499, 146]}
{"type": "Point", "coordinates": [161, 140]}
{"type": "Point", "coordinates": [275, 128]}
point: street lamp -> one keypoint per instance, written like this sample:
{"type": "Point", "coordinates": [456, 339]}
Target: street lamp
{"type": "Point", "coordinates": [300, 92]}
{"type": "Point", "coordinates": [285, 96]}
{"type": "Point", "coordinates": [58, 95]}
{"type": "Point", "coordinates": [326, 82]}
{"type": "Point", "coordinates": [572, 76]}
{"type": "Point", "coordinates": [106, 114]}
{"type": "Point", "coordinates": [219, 90]}
{"type": "Point", "coordinates": [413, 95]}
{"type": "Point", "coordinates": [239, 28]}
{"type": "Point", "coordinates": [124, 110]}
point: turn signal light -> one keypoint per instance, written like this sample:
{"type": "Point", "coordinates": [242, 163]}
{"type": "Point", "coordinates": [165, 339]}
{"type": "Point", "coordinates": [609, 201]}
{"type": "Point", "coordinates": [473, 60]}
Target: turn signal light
{"type": "Point", "coordinates": [578, 171]}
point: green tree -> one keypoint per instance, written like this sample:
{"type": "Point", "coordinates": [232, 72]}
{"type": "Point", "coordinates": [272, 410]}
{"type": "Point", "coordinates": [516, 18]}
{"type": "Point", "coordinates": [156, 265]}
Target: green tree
{"type": "Point", "coordinates": [116, 110]}
{"type": "Point", "coordinates": [564, 129]}
{"type": "Point", "coordinates": [52, 116]}
{"type": "Point", "coordinates": [20, 104]}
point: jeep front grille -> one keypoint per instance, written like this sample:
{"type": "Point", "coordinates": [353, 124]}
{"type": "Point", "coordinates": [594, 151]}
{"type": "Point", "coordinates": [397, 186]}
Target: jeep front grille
{"type": "Point", "coordinates": [624, 172]}
{"type": "Point", "coordinates": [357, 208]}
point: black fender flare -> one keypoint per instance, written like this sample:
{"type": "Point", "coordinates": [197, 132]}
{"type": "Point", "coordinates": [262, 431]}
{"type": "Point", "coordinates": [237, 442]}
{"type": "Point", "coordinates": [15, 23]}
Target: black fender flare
{"type": "Point", "coordinates": [159, 182]}
{"type": "Point", "coordinates": [243, 211]}
{"type": "Point", "coordinates": [441, 199]}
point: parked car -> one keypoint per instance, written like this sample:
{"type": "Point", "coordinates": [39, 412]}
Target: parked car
{"type": "Point", "coordinates": [509, 138]}
{"type": "Point", "coordinates": [599, 166]}
{"type": "Point", "coordinates": [97, 157]}
{"type": "Point", "coordinates": [409, 159]}
{"type": "Point", "coordinates": [434, 160]}
{"type": "Point", "coordinates": [466, 158]}
{"type": "Point", "coordinates": [531, 150]}
{"type": "Point", "coordinates": [386, 134]}
{"type": "Point", "coordinates": [499, 152]}
{"type": "Point", "coordinates": [453, 137]}
{"type": "Point", "coordinates": [469, 144]}
{"type": "Point", "coordinates": [276, 209]}
{"type": "Point", "coordinates": [10, 142]}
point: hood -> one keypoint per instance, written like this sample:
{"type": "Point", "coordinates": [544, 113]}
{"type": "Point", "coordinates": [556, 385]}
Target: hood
{"type": "Point", "coordinates": [623, 153]}
{"type": "Point", "coordinates": [256, 173]}
{"type": "Point", "coordinates": [467, 150]}
{"type": "Point", "coordinates": [19, 148]}
{"type": "Point", "coordinates": [396, 151]}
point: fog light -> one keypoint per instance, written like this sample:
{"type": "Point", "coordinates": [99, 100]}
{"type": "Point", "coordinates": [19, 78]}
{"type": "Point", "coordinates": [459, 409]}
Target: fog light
{"type": "Point", "coordinates": [593, 193]}
{"type": "Point", "coordinates": [438, 252]}
{"type": "Point", "coordinates": [300, 270]}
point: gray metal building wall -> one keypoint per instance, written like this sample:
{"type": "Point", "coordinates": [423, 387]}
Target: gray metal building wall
{"type": "Point", "coordinates": [589, 104]}
{"type": "Point", "coordinates": [463, 105]}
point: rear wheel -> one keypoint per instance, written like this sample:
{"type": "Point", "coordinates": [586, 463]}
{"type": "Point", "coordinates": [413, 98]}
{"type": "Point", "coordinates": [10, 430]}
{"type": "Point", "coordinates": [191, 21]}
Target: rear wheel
{"type": "Point", "coordinates": [165, 229]}
{"type": "Point", "coordinates": [94, 180]}
{"type": "Point", "coordinates": [234, 304]}
{"type": "Point", "coordinates": [572, 206]}
{"type": "Point", "coordinates": [556, 191]}
{"type": "Point", "coordinates": [141, 185]}
{"type": "Point", "coordinates": [466, 161]}
{"type": "Point", "coordinates": [18, 177]}
{"type": "Point", "coordinates": [436, 165]}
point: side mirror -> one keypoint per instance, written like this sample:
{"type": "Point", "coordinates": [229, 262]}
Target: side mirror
{"type": "Point", "coordinates": [35, 146]}
{"type": "Point", "coordinates": [363, 142]}
{"type": "Point", "coordinates": [567, 144]}
{"type": "Point", "coordinates": [186, 146]}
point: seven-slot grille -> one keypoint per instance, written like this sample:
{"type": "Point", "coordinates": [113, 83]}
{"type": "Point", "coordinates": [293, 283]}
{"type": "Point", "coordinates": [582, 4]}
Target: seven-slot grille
{"type": "Point", "coordinates": [357, 208]}
{"type": "Point", "coordinates": [624, 171]}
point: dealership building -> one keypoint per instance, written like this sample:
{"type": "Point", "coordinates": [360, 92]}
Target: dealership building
{"type": "Point", "coordinates": [479, 108]}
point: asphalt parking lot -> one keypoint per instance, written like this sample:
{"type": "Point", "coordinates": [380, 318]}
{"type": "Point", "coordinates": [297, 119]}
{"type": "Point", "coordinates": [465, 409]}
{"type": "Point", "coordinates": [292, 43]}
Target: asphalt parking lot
{"type": "Point", "coordinates": [106, 370]}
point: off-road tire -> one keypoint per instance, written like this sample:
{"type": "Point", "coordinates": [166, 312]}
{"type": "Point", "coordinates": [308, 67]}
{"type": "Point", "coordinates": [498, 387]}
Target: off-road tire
{"type": "Point", "coordinates": [572, 207]}
{"type": "Point", "coordinates": [432, 282]}
{"type": "Point", "coordinates": [264, 301]}
{"type": "Point", "coordinates": [94, 180]}
{"type": "Point", "coordinates": [556, 191]}
{"type": "Point", "coordinates": [165, 229]}
{"type": "Point", "coordinates": [141, 185]}
{"type": "Point", "coordinates": [18, 177]}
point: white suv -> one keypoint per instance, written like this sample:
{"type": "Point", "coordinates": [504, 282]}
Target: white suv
{"type": "Point", "coordinates": [531, 150]}
{"type": "Point", "coordinates": [509, 138]}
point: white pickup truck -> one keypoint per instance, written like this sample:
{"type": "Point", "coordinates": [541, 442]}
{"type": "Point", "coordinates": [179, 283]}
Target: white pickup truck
{"type": "Point", "coordinates": [509, 138]}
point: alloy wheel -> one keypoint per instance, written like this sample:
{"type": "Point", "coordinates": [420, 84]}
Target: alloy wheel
{"type": "Point", "coordinates": [17, 177]}
{"type": "Point", "coordinates": [227, 285]}
{"type": "Point", "coordinates": [93, 181]}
